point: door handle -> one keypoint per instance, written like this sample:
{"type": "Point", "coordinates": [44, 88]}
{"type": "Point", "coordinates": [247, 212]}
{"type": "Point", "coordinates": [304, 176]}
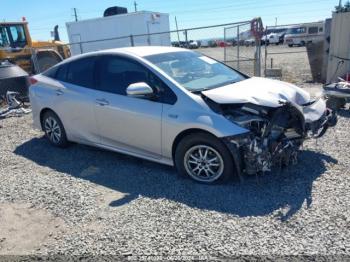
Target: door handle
{"type": "Point", "coordinates": [59, 92]}
{"type": "Point", "coordinates": [102, 102]}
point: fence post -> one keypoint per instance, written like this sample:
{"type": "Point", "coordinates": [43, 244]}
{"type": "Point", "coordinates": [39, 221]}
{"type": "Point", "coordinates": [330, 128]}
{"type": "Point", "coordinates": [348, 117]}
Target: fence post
{"type": "Point", "coordinates": [132, 40]}
{"type": "Point", "coordinates": [225, 46]}
{"type": "Point", "coordinates": [265, 39]}
{"type": "Point", "coordinates": [257, 61]}
{"type": "Point", "coordinates": [35, 61]}
{"type": "Point", "coordinates": [148, 34]}
{"type": "Point", "coordinates": [238, 44]}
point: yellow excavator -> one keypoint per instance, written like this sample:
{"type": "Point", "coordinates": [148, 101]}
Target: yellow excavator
{"type": "Point", "coordinates": [20, 56]}
{"type": "Point", "coordinates": [17, 47]}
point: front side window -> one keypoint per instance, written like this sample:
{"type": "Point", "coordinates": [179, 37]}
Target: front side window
{"type": "Point", "coordinates": [116, 74]}
{"type": "Point", "coordinates": [194, 71]}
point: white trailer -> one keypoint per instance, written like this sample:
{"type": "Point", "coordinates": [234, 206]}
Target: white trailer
{"type": "Point", "coordinates": [119, 31]}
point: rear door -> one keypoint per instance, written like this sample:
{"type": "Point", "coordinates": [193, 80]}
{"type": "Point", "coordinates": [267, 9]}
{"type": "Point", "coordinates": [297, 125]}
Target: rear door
{"type": "Point", "coordinates": [124, 122]}
{"type": "Point", "coordinates": [75, 99]}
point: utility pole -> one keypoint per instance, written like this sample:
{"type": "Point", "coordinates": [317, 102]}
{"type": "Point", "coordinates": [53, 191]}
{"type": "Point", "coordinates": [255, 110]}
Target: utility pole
{"type": "Point", "coordinates": [177, 30]}
{"type": "Point", "coordinates": [75, 14]}
{"type": "Point", "coordinates": [135, 5]}
{"type": "Point", "coordinates": [275, 21]}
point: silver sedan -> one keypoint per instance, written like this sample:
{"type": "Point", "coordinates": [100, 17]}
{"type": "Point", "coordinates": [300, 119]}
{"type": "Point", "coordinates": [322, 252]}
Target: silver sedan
{"type": "Point", "coordinates": [176, 107]}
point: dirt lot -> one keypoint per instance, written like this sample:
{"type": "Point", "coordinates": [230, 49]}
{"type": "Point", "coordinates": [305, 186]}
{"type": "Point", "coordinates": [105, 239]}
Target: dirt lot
{"type": "Point", "coordinates": [84, 201]}
{"type": "Point", "coordinates": [295, 66]}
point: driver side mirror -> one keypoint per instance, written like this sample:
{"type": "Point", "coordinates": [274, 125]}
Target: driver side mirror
{"type": "Point", "coordinates": [140, 89]}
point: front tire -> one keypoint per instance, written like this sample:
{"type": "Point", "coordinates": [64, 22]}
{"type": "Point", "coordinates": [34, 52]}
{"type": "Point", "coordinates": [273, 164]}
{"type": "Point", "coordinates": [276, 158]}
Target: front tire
{"type": "Point", "coordinates": [54, 130]}
{"type": "Point", "coordinates": [204, 158]}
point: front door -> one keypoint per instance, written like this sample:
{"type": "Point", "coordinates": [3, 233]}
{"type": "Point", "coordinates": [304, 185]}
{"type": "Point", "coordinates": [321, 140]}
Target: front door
{"type": "Point", "coordinates": [124, 122]}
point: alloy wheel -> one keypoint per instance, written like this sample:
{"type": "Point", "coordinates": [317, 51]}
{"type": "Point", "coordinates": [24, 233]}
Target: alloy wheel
{"type": "Point", "coordinates": [53, 130]}
{"type": "Point", "coordinates": [203, 163]}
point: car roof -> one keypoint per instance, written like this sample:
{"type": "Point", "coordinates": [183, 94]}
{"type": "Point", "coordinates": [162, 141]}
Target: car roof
{"type": "Point", "coordinates": [140, 51]}
{"type": "Point", "coordinates": [143, 51]}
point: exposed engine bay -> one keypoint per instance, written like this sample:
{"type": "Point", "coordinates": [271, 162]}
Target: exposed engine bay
{"type": "Point", "coordinates": [275, 134]}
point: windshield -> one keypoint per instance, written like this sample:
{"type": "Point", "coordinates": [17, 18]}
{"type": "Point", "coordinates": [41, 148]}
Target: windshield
{"type": "Point", "coordinates": [194, 71]}
{"type": "Point", "coordinates": [297, 30]}
{"type": "Point", "coordinates": [13, 36]}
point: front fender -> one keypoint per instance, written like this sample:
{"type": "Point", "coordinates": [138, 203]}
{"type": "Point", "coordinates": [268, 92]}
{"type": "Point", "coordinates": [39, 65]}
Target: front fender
{"type": "Point", "coordinates": [175, 123]}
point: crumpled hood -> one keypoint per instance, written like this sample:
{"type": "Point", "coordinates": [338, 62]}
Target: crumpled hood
{"type": "Point", "coordinates": [259, 91]}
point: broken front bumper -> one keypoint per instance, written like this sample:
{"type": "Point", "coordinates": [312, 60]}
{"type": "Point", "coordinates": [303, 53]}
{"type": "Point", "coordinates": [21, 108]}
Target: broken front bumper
{"type": "Point", "coordinates": [252, 154]}
{"type": "Point", "coordinates": [318, 118]}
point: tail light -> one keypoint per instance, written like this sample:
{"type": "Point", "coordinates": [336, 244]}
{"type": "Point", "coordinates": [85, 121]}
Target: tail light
{"type": "Point", "coordinates": [32, 80]}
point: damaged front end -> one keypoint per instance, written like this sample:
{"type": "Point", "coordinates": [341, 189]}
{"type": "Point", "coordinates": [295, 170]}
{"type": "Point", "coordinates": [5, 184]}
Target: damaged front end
{"type": "Point", "coordinates": [275, 134]}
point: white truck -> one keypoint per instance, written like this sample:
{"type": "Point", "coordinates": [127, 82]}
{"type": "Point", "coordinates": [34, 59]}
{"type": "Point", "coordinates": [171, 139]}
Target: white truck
{"type": "Point", "coordinates": [119, 31]}
{"type": "Point", "coordinates": [300, 35]}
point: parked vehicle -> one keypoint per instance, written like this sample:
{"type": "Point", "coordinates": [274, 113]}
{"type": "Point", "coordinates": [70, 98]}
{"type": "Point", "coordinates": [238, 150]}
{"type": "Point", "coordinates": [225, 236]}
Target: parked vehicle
{"type": "Point", "coordinates": [193, 44]}
{"type": "Point", "coordinates": [273, 38]}
{"type": "Point", "coordinates": [213, 43]}
{"type": "Point", "coordinates": [249, 42]}
{"type": "Point", "coordinates": [302, 34]}
{"type": "Point", "coordinates": [221, 43]}
{"type": "Point", "coordinates": [176, 107]}
{"type": "Point", "coordinates": [181, 44]}
{"type": "Point", "coordinates": [205, 43]}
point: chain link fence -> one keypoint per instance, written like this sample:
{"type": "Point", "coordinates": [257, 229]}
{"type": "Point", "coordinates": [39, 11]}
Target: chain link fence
{"type": "Point", "coordinates": [230, 43]}
{"type": "Point", "coordinates": [285, 51]}
{"type": "Point", "coordinates": [241, 48]}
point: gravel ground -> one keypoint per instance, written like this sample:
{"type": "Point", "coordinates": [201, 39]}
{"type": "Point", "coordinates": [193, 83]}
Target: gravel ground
{"type": "Point", "coordinates": [99, 202]}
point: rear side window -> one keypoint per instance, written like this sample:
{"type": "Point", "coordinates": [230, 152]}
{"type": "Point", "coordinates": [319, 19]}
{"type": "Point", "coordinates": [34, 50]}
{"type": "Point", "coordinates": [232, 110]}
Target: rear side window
{"type": "Point", "coordinates": [80, 72]}
{"type": "Point", "coordinates": [61, 73]}
{"type": "Point", "coordinates": [57, 72]}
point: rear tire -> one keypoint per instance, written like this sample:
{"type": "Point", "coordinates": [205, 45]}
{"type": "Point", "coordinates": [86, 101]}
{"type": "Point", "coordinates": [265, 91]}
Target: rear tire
{"type": "Point", "coordinates": [54, 129]}
{"type": "Point", "coordinates": [204, 158]}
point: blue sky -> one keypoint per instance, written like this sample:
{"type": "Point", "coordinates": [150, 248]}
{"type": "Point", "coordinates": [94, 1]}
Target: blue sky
{"type": "Point", "coordinates": [42, 15]}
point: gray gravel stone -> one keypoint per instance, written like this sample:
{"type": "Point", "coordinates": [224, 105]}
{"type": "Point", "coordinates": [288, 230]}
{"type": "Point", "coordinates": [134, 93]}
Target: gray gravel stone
{"type": "Point", "coordinates": [113, 204]}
